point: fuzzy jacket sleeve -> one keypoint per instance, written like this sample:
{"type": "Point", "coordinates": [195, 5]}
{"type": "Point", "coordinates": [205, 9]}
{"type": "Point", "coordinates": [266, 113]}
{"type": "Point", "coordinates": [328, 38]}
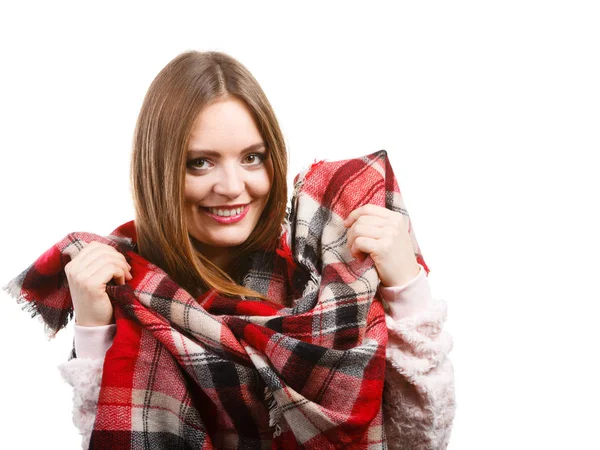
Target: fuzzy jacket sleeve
{"type": "Point", "coordinates": [84, 374]}
{"type": "Point", "coordinates": [418, 398]}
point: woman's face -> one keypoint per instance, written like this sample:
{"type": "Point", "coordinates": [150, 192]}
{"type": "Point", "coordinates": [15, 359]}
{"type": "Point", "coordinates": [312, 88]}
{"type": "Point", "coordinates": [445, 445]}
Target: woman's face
{"type": "Point", "coordinates": [227, 179]}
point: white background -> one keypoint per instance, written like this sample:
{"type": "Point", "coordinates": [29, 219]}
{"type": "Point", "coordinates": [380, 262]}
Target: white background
{"type": "Point", "coordinates": [490, 114]}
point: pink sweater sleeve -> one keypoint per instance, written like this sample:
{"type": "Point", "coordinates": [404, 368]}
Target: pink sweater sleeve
{"type": "Point", "coordinates": [93, 342]}
{"type": "Point", "coordinates": [409, 298]}
{"type": "Point", "coordinates": [418, 397]}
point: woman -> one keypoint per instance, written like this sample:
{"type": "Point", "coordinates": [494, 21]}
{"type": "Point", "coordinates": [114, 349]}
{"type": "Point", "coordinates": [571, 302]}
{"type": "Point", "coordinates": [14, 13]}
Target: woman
{"type": "Point", "coordinates": [209, 184]}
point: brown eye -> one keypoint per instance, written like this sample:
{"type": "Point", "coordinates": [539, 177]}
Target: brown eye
{"type": "Point", "coordinates": [254, 159]}
{"type": "Point", "coordinates": [198, 163]}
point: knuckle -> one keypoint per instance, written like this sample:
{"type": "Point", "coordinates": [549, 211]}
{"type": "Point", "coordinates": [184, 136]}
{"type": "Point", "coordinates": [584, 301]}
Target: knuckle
{"type": "Point", "coordinates": [79, 281]}
{"type": "Point", "coordinates": [106, 258]}
{"type": "Point", "coordinates": [87, 288]}
{"type": "Point", "coordinates": [75, 274]}
{"type": "Point", "coordinates": [71, 275]}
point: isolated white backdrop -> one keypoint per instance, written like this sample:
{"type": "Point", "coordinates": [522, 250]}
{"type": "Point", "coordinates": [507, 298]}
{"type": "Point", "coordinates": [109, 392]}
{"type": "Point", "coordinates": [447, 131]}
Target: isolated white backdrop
{"type": "Point", "coordinates": [490, 114]}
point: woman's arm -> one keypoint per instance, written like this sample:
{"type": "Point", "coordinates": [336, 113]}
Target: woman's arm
{"type": "Point", "coordinates": [84, 373]}
{"type": "Point", "coordinates": [419, 399]}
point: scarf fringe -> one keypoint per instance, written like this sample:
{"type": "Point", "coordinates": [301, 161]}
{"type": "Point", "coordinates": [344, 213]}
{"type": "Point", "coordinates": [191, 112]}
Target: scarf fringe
{"type": "Point", "coordinates": [274, 411]}
{"type": "Point", "coordinates": [13, 289]}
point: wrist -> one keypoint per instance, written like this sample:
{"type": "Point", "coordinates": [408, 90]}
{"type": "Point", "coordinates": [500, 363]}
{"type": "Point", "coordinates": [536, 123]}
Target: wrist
{"type": "Point", "coordinates": [89, 322]}
{"type": "Point", "coordinates": [405, 276]}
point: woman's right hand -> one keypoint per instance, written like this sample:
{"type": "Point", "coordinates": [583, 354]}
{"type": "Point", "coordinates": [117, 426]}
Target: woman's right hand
{"type": "Point", "coordinates": [88, 273]}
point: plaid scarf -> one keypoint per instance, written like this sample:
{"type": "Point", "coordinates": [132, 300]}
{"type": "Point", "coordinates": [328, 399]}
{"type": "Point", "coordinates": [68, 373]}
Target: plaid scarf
{"type": "Point", "coordinates": [303, 370]}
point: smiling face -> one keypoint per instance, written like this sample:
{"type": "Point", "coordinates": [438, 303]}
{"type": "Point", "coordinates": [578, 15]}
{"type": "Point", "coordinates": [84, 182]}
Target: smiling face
{"type": "Point", "coordinates": [228, 177]}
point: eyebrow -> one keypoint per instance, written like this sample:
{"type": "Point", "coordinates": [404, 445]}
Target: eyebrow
{"type": "Point", "coordinates": [213, 153]}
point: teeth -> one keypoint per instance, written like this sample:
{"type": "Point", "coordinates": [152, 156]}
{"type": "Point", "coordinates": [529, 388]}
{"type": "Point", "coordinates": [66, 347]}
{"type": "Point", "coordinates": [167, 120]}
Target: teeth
{"type": "Point", "coordinates": [226, 212]}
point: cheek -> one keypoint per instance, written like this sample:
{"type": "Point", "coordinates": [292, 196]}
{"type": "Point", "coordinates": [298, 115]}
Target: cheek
{"type": "Point", "coordinates": [261, 185]}
{"type": "Point", "coordinates": [193, 191]}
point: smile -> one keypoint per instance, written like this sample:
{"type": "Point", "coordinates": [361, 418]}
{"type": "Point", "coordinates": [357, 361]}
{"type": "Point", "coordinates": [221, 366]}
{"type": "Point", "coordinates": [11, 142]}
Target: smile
{"type": "Point", "coordinates": [226, 215]}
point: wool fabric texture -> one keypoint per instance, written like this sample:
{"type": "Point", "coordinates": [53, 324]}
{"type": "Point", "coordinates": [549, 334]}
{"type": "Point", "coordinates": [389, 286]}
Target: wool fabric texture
{"type": "Point", "coordinates": [302, 370]}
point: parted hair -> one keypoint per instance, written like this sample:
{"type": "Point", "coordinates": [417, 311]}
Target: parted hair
{"type": "Point", "coordinates": [182, 89]}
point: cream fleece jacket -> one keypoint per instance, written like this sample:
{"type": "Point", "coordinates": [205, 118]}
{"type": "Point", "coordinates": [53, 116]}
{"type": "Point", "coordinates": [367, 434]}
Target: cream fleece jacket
{"type": "Point", "coordinates": [418, 399]}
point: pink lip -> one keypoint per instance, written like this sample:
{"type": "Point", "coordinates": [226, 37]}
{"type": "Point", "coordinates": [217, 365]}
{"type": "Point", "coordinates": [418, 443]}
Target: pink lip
{"type": "Point", "coordinates": [227, 206]}
{"type": "Point", "coordinates": [230, 219]}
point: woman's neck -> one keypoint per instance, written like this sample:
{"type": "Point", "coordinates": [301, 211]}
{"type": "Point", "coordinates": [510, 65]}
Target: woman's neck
{"type": "Point", "coordinates": [222, 257]}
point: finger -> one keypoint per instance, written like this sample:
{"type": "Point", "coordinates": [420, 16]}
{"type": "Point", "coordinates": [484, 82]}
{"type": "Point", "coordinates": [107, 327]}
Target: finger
{"type": "Point", "coordinates": [360, 229]}
{"type": "Point", "coordinates": [370, 231]}
{"type": "Point", "coordinates": [80, 261]}
{"type": "Point", "coordinates": [121, 262]}
{"type": "Point", "coordinates": [86, 247]}
{"type": "Point", "coordinates": [89, 248]}
{"type": "Point", "coordinates": [391, 219]}
{"type": "Point", "coordinates": [376, 221]}
{"type": "Point", "coordinates": [102, 259]}
{"type": "Point", "coordinates": [94, 282]}
{"type": "Point", "coordinates": [369, 209]}
{"type": "Point", "coordinates": [111, 272]}
{"type": "Point", "coordinates": [365, 245]}
{"type": "Point", "coordinates": [96, 250]}
{"type": "Point", "coordinates": [351, 236]}
{"type": "Point", "coordinates": [121, 256]}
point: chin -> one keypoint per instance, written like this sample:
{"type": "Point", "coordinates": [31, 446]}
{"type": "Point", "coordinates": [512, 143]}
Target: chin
{"type": "Point", "coordinates": [234, 240]}
{"type": "Point", "coordinates": [228, 243]}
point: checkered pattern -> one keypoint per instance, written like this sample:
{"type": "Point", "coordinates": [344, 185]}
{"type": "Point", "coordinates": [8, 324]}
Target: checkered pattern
{"type": "Point", "coordinates": [303, 370]}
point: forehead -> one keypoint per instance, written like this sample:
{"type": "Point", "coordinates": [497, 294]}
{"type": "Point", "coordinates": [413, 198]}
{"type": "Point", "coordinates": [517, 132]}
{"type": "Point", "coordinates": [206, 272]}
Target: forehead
{"type": "Point", "coordinates": [224, 126]}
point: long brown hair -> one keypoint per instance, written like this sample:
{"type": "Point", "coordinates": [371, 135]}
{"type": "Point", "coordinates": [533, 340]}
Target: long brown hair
{"type": "Point", "coordinates": [190, 82]}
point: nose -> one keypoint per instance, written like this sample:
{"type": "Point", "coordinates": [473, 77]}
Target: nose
{"type": "Point", "coordinates": [230, 182]}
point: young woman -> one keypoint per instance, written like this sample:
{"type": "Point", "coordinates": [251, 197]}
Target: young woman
{"type": "Point", "coordinates": [209, 171]}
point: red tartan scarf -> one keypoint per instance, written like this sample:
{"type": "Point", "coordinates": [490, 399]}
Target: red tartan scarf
{"type": "Point", "coordinates": [304, 370]}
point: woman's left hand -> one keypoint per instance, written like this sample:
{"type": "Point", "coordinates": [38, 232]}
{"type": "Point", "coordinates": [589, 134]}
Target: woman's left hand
{"type": "Point", "coordinates": [383, 235]}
